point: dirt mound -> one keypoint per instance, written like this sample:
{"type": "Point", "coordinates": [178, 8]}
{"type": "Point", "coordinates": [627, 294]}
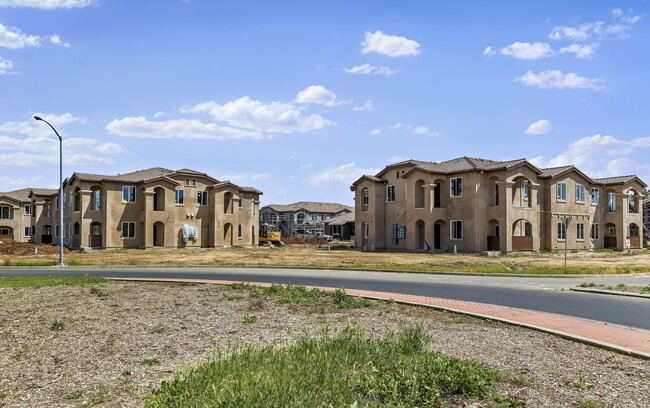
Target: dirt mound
{"type": "Point", "coordinates": [24, 249]}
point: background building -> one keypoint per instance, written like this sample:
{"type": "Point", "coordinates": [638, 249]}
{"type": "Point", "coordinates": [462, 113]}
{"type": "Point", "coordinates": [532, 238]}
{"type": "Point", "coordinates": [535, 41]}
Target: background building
{"type": "Point", "coordinates": [303, 217]}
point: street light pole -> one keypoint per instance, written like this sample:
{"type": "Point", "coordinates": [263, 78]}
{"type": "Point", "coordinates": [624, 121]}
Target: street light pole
{"type": "Point", "coordinates": [60, 188]}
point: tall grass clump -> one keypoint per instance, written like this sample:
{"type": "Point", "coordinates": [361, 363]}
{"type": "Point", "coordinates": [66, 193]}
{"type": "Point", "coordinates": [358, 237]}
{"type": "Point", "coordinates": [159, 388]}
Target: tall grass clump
{"type": "Point", "coordinates": [341, 369]}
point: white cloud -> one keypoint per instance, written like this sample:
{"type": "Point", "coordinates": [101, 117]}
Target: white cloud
{"type": "Point", "coordinates": [397, 126]}
{"type": "Point", "coordinates": [177, 128]}
{"type": "Point", "coordinates": [367, 69]}
{"type": "Point", "coordinates": [598, 29]}
{"type": "Point", "coordinates": [557, 79]}
{"type": "Point", "coordinates": [35, 151]}
{"type": "Point", "coordinates": [47, 4]}
{"type": "Point", "coordinates": [627, 17]}
{"type": "Point", "coordinates": [36, 128]}
{"type": "Point", "coordinates": [246, 177]}
{"type": "Point", "coordinates": [415, 130]}
{"type": "Point", "coordinates": [257, 116]}
{"type": "Point", "coordinates": [522, 50]}
{"type": "Point", "coordinates": [159, 114]}
{"type": "Point", "coordinates": [343, 174]}
{"type": "Point", "coordinates": [19, 181]}
{"type": "Point", "coordinates": [367, 106]}
{"type": "Point", "coordinates": [5, 66]}
{"type": "Point", "coordinates": [601, 156]}
{"type": "Point", "coordinates": [389, 45]}
{"type": "Point", "coordinates": [375, 132]}
{"type": "Point", "coordinates": [539, 128]}
{"type": "Point", "coordinates": [15, 38]}
{"type": "Point", "coordinates": [420, 130]}
{"type": "Point", "coordinates": [109, 148]}
{"type": "Point", "coordinates": [578, 33]}
{"type": "Point", "coordinates": [319, 95]}
{"type": "Point", "coordinates": [580, 50]}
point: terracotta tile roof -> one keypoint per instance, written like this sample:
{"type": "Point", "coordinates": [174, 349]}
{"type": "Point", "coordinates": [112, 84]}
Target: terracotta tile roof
{"type": "Point", "coordinates": [463, 164]}
{"type": "Point", "coordinates": [230, 183]}
{"type": "Point", "coordinates": [551, 172]}
{"type": "Point", "coordinates": [310, 206]}
{"type": "Point", "coordinates": [21, 195]}
{"type": "Point", "coordinates": [139, 176]}
{"type": "Point", "coordinates": [341, 219]}
{"type": "Point", "coordinates": [44, 191]}
{"type": "Point", "coordinates": [617, 180]}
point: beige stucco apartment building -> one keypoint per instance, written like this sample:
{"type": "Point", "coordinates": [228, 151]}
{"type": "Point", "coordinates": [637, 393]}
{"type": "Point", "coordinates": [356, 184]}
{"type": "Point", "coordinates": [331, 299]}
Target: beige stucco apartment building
{"type": "Point", "coordinates": [303, 217]}
{"type": "Point", "coordinates": [16, 215]}
{"type": "Point", "coordinates": [469, 204]}
{"type": "Point", "coordinates": [148, 208]}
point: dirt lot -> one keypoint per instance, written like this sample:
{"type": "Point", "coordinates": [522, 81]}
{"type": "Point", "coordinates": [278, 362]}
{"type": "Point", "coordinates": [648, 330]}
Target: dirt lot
{"type": "Point", "coordinates": [310, 255]}
{"type": "Point", "coordinates": [119, 341]}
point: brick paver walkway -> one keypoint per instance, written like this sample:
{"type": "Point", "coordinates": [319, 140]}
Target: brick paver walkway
{"type": "Point", "coordinates": [621, 339]}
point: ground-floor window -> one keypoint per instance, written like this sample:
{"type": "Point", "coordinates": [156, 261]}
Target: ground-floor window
{"type": "Point", "coordinates": [28, 232]}
{"type": "Point", "coordinates": [456, 229]}
{"type": "Point", "coordinates": [580, 231]}
{"type": "Point", "coordinates": [128, 229]}
{"type": "Point", "coordinates": [4, 231]}
{"type": "Point", "coordinates": [595, 232]}
{"type": "Point", "coordinates": [561, 231]}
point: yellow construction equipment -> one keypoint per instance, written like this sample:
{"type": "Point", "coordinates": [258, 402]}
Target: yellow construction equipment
{"type": "Point", "coordinates": [270, 234]}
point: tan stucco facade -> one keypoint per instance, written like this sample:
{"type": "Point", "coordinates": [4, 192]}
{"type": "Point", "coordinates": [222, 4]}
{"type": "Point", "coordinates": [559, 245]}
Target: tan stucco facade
{"type": "Point", "coordinates": [15, 219]}
{"type": "Point", "coordinates": [500, 206]}
{"type": "Point", "coordinates": [112, 213]}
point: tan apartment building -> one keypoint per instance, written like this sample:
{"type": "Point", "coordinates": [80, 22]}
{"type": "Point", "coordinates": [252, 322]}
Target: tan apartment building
{"type": "Point", "coordinates": [303, 217]}
{"type": "Point", "coordinates": [16, 215]}
{"type": "Point", "coordinates": [470, 204]}
{"type": "Point", "coordinates": [155, 207]}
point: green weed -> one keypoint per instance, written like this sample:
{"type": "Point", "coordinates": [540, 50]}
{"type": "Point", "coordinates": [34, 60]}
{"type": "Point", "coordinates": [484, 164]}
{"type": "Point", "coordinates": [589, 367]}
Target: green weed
{"type": "Point", "coordinates": [57, 325]}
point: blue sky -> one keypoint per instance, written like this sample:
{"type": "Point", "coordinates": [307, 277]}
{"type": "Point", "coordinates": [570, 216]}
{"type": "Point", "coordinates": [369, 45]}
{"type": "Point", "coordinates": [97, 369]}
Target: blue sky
{"type": "Point", "coordinates": [300, 98]}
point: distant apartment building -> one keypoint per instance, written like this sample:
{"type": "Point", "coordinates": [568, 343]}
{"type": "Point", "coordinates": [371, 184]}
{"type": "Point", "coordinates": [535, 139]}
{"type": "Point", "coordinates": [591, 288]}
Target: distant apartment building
{"type": "Point", "coordinates": [470, 204]}
{"type": "Point", "coordinates": [304, 217]}
{"type": "Point", "coordinates": [16, 215]}
{"type": "Point", "coordinates": [155, 207]}
{"type": "Point", "coordinates": [646, 217]}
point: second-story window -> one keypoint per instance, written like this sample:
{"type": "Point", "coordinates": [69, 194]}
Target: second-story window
{"type": "Point", "coordinates": [241, 201]}
{"type": "Point", "coordinates": [595, 193]}
{"type": "Point", "coordinates": [5, 212]}
{"type": "Point", "coordinates": [364, 196]}
{"type": "Point", "coordinates": [128, 194]}
{"type": "Point", "coordinates": [611, 202]}
{"type": "Point", "coordinates": [180, 197]}
{"type": "Point", "coordinates": [28, 209]}
{"type": "Point", "coordinates": [390, 193]}
{"type": "Point", "coordinates": [525, 187]}
{"type": "Point", "coordinates": [631, 203]}
{"type": "Point", "coordinates": [561, 191]}
{"type": "Point", "coordinates": [456, 187]}
{"type": "Point", "coordinates": [580, 193]}
{"type": "Point", "coordinates": [201, 198]}
{"type": "Point", "coordinates": [48, 209]}
{"type": "Point", "coordinates": [96, 197]}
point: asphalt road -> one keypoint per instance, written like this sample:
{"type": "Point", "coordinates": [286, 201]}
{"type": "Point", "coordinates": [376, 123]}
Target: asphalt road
{"type": "Point", "coordinates": [534, 293]}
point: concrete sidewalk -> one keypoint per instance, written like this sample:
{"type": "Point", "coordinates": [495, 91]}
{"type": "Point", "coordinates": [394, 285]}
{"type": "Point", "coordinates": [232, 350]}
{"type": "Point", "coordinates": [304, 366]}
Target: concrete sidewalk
{"type": "Point", "coordinates": [625, 340]}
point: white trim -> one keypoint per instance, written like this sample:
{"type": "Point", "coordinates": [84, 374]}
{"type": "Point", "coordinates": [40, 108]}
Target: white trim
{"type": "Point", "coordinates": [461, 187]}
{"type": "Point", "coordinates": [122, 232]}
{"type": "Point", "coordinates": [451, 230]}
{"type": "Point", "coordinates": [128, 201]}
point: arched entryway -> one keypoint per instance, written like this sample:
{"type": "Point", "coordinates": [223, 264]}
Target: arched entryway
{"type": "Point", "coordinates": [6, 232]}
{"type": "Point", "coordinates": [522, 235]}
{"type": "Point", "coordinates": [227, 203]}
{"type": "Point", "coordinates": [419, 194]}
{"type": "Point", "coordinates": [76, 238]}
{"type": "Point", "coordinates": [159, 199]}
{"type": "Point", "coordinates": [610, 236]}
{"type": "Point", "coordinates": [634, 235]}
{"type": "Point", "coordinates": [439, 233]}
{"type": "Point", "coordinates": [494, 235]}
{"type": "Point", "coordinates": [46, 236]}
{"type": "Point", "coordinates": [158, 234]}
{"type": "Point", "coordinates": [421, 241]}
{"type": "Point", "coordinates": [228, 234]}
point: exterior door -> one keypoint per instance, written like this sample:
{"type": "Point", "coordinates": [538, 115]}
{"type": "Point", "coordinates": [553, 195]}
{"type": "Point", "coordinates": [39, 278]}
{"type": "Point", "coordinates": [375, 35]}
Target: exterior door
{"type": "Point", "coordinates": [436, 236]}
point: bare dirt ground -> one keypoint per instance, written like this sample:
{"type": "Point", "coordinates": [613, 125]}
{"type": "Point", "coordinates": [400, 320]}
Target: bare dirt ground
{"type": "Point", "coordinates": [119, 341]}
{"type": "Point", "coordinates": [310, 255]}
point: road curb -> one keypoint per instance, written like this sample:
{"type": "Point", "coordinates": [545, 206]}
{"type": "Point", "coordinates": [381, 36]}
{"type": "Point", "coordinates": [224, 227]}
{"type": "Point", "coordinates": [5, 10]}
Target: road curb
{"type": "Point", "coordinates": [351, 292]}
{"type": "Point", "coordinates": [610, 292]}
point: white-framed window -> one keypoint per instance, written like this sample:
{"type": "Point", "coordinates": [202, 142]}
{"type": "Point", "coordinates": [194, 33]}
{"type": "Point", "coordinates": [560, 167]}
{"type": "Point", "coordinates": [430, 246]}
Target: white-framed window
{"type": "Point", "coordinates": [128, 229]}
{"type": "Point", "coordinates": [580, 193]}
{"type": "Point", "coordinates": [561, 191]}
{"type": "Point", "coordinates": [180, 197]}
{"type": "Point", "coordinates": [561, 231]}
{"type": "Point", "coordinates": [28, 232]}
{"type": "Point", "coordinates": [456, 187]}
{"type": "Point", "coordinates": [239, 231]}
{"type": "Point", "coordinates": [4, 231]}
{"type": "Point", "coordinates": [525, 188]}
{"type": "Point", "coordinates": [48, 209]}
{"type": "Point", "coordinates": [595, 196]}
{"type": "Point", "coordinates": [5, 212]}
{"type": "Point", "coordinates": [611, 231]}
{"type": "Point", "coordinates": [241, 201]}
{"type": "Point", "coordinates": [128, 194]}
{"type": "Point", "coordinates": [28, 210]}
{"type": "Point", "coordinates": [390, 194]}
{"type": "Point", "coordinates": [201, 198]}
{"type": "Point", "coordinates": [456, 231]}
{"type": "Point", "coordinates": [365, 229]}
{"type": "Point", "coordinates": [70, 230]}
{"type": "Point", "coordinates": [611, 202]}
{"type": "Point", "coordinates": [595, 232]}
{"type": "Point", "coordinates": [580, 231]}
{"type": "Point", "coordinates": [364, 196]}
{"type": "Point", "coordinates": [56, 230]}
{"type": "Point", "coordinates": [96, 200]}
{"type": "Point", "coordinates": [65, 199]}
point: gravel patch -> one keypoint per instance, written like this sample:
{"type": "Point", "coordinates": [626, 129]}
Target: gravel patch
{"type": "Point", "coordinates": [117, 344]}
